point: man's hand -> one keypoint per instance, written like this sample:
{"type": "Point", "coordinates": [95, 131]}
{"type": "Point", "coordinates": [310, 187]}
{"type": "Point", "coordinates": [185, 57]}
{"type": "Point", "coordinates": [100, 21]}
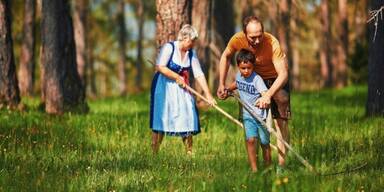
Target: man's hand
{"type": "Point", "coordinates": [263, 102]}
{"type": "Point", "coordinates": [221, 92]}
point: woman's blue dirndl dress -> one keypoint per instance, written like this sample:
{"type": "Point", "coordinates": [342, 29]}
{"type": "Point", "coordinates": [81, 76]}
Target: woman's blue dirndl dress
{"type": "Point", "coordinates": [173, 109]}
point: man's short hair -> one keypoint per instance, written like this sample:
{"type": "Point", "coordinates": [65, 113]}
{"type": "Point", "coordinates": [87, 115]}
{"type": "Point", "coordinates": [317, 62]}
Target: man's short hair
{"type": "Point", "coordinates": [249, 19]}
{"type": "Point", "coordinates": [245, 56]}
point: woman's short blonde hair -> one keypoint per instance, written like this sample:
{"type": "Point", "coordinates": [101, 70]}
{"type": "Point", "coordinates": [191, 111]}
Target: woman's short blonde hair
{"type": "Point", "coordinates": [187, 32]}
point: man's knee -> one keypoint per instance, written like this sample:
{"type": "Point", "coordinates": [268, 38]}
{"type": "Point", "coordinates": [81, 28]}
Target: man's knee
{"type": "Point", "coordinates": [281, 98]}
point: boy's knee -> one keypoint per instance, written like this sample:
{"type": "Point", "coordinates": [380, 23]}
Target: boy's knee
{"type": "Point", "coordinates": [251, 140]}
{"type": "Point", "coordinates": [265, 146]}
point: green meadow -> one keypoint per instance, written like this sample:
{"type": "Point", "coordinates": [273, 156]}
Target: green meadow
{"type": "Point", "coordinates": [109, 149]}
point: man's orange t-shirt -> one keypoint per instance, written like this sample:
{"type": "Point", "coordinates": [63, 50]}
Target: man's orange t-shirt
{"type": "Point", "coordinates": [268, 53]}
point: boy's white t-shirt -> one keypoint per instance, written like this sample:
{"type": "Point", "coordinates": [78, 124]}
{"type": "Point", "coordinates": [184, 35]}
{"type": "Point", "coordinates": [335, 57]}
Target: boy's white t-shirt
{"type": "Point", "coordinates": [250, 90]}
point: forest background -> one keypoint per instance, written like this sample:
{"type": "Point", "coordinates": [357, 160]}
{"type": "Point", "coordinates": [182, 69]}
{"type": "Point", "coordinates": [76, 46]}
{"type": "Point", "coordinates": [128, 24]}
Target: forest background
{"type": "Point", "coordinates": [326, 41]}
{"type": "Point", "coordinates": [74, 95]}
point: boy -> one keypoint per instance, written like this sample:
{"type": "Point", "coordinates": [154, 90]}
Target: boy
{"type": "Point", "coordinates": [251, 87]}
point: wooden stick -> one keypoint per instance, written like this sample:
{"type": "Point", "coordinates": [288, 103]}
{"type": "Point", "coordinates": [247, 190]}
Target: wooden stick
{"type": "Point", "coordinates": [215, 106]}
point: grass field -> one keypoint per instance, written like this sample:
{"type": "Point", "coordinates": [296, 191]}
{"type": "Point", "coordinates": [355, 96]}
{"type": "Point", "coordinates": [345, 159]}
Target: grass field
{"type": "Point", "coordinates": [109, 149]}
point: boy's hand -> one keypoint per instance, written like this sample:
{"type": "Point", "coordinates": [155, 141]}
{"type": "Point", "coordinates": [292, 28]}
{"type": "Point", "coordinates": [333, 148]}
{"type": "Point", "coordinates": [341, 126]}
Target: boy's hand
{"type": "Point", "coordinates": [227, 93]}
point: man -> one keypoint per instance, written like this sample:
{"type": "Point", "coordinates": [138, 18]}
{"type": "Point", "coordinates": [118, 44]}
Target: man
{"type": "Point", "coordinates": [271, 65]}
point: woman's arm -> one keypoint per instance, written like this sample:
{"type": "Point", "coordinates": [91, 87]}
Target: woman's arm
{"type": "Point", "coordinates": [161, 64]}
{"type": "Point", "coordinates": [171, 75]}
{"type": "Point", "coordinates": [203, 84]}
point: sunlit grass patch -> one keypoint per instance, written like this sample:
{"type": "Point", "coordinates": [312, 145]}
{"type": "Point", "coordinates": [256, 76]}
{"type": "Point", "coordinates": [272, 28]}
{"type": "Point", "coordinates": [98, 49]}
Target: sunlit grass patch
{"type": "Point", "coordinates": [109, 149]}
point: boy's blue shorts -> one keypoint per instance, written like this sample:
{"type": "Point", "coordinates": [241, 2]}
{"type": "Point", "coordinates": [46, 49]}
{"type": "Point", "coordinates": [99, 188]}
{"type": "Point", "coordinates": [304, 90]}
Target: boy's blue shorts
{"type": "Point", "coordinates": [253, 128]}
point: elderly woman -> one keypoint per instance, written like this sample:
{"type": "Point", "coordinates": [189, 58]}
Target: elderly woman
{"type": "Point", "coordinates": [173, 110]}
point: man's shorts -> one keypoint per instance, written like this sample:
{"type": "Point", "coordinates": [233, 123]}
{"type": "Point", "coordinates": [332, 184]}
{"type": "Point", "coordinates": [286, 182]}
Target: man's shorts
{"type": "Point", "coordinates": [274, 109]}
{"type": "Point", "coordinates": [253, 128]}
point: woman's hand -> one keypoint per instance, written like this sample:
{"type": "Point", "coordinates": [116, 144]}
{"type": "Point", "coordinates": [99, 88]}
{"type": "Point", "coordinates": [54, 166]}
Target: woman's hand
{"type": "Point", "coordinates": [180, 81]}
{"type": "Point", "coordinates": [211, 100]}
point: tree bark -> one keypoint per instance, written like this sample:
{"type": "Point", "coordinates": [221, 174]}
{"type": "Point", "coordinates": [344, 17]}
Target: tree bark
{"type": "Point", "coordinates": [325, 59]}
{"type": "Point", "coordinates": [223, 27]}
{"type": "Point", "coordinates": [139, 59]}
{"type": "Point", "coordinates": [91, 73]}
{"type": "Point", "coordinates": [122, 48]}
{"type": "Point", "coordinates": [375, 99]}
{"type": "Point", "coordinates": [90, 69]}
{"type": "Point", "coordinates": [171, 16]}
{"type": "Point", "coordinates": [273, 16]}
{"type": "Point", "coordinates": [342, 47]}
{"type": "Point", "coordinates": [201, 19]}
{"type": "Point", "coordinates": [295, 55]}
{"type": "Point", "coordinates": [80, 23]}
{"type": "Point", "coordinates": [284, 31]}
{"type": "Point", "coordinates": [224, 23]}
{"type": "Point", "coordinates": [62, 87]}
{"type": "Point", "coordinates": [9, 91]}
{"type": "Point", "coordinates": [26, 75]}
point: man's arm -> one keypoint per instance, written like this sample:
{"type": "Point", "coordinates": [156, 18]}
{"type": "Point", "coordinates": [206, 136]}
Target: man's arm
{"type": "Point", "coordinates": [232, 86]}
{"type": "Point", "coordinates": [282, 78]}
{"type": "Point", "coordinates": [223, 70]}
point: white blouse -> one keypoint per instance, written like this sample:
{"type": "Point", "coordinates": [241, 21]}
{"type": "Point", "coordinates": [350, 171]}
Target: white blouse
{"type": "Point", "coordinates": [166, 52]}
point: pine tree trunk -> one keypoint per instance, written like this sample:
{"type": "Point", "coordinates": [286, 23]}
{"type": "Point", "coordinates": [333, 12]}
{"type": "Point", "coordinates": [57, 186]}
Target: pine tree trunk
{"type": "Point", "coordinates": [224, 23]}
{"type": "Point", "coordinates": [9, 91]}
{"type": "Point", "coordinates": [62, 87]}
{"type": "Point", "coordinates": [223, 27]}
{"type": "Point", "coordinates": [26, 75]}
{"type": "Point", "coordinates": [247, 8]}
{"type": "Point", "coordinates": [122, 48]}
{"type": "Point", "coordinates": [90, 69]}
{"type": "Point", "coordinates": [342, 47]}
{"type": "Point", "coordinates": [375, 100]}
{"type": "Point", "coordinates": [91, 73]}
{"type": "Point", "coordinates": [284, 31]}
{"type": "Point", "coordinates": [295, 56]}
{"type": "Point", "coordinates": [325, 58]}
{"type": "Point", "coordinates": [171, 16]}
{"type": "Point", "coordinates": [273, 16]}
{"type": "Point", "coordinates": [283, 26]}
{"type": "Point", "coordinates": [201, 19]}
{"type": "Point", "coordinates": [139, 59]}
{"type": "Point", "coordinates": [80, 23]}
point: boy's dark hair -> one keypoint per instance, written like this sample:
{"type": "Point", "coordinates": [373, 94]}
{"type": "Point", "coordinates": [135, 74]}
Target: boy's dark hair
{"type": "Point", "coordinates": [249, 19]}
{"type": "Point", "coordinates": [245, 56]}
